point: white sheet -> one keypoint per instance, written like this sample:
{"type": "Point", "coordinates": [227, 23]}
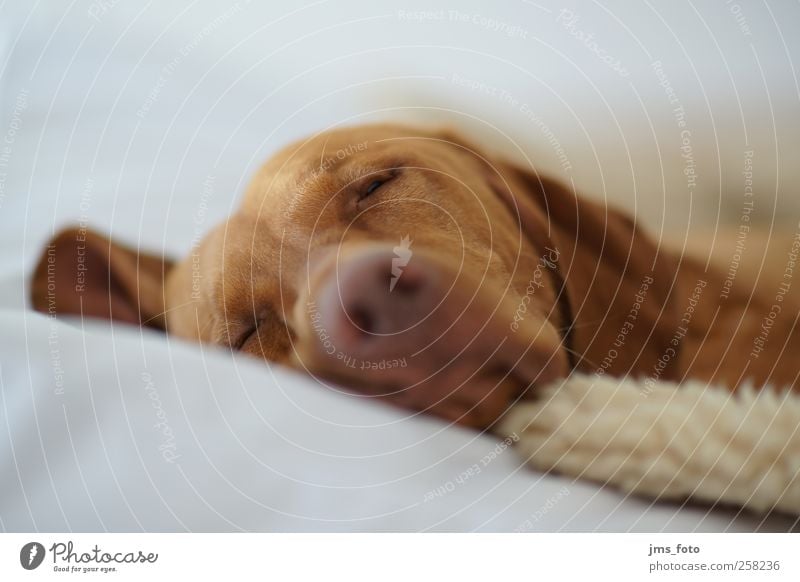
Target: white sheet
{"type": "Point", "coordinates": [107, 136]}
{"type": "Point", "coordinates": [155, 435]}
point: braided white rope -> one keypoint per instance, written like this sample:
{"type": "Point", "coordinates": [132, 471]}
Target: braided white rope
{"type": "Point", "coordinates": [668, 442]}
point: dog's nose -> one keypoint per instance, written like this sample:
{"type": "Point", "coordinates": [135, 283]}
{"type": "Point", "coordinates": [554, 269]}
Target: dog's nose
{"type": "Point", "coordinates": [378, 300]}
{"type": "Point", "coordinates": [422, 332]}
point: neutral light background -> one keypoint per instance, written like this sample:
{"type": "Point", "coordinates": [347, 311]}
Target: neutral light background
{"type": "Point", "coordinates": [132, 105]}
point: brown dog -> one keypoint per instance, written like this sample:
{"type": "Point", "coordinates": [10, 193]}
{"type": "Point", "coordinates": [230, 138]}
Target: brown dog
{"type": "Point", "coordinates": [409, 265]}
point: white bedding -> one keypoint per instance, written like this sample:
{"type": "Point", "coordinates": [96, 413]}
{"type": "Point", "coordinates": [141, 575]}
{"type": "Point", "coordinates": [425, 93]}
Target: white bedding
{"type": "Point", "coordinates": [102, 136]}
{"type": "Point", "coordinates": [116, 430]}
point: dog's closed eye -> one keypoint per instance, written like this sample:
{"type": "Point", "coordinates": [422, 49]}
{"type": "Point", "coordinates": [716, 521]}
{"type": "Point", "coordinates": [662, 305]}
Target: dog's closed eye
{"type": "Point", "coordinates": [238, 341]}
{"type": "Point", "coordinates": [372, 187]}
{"type": "Point", "coordinates": [372, 184]}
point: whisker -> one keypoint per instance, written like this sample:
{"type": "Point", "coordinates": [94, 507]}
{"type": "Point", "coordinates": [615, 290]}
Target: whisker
{"type": "Point", "coordinates": [322, 155]}
{"type": "Point", "coordinates": [581, 357]}
{"type": "Point", "coordinates": [157, 315]}
{"type": "Point", "coordinates": [588, 323]}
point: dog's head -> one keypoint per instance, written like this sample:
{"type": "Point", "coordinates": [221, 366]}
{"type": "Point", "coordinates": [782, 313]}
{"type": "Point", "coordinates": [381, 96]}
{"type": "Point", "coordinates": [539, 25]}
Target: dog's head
{"type": "Point", "coordinates": [403, 263]}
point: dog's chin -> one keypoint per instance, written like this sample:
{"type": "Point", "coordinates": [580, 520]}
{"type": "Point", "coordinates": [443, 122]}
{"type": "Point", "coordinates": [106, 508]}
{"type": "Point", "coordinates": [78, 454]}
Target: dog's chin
{"type": "Point", "coordinates": [474, 388]}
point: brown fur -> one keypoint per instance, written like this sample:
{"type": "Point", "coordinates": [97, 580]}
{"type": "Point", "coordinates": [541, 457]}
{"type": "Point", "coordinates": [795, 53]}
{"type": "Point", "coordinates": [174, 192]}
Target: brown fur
{"type": "Point", "coordinates": [611, 302]}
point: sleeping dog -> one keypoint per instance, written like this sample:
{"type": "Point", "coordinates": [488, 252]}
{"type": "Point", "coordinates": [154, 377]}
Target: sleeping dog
{"type": "Point", "coordinates": [412, 266]}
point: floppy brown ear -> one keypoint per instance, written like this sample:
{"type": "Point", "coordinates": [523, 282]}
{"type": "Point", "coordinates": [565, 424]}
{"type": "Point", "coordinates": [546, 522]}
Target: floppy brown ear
{"type": "Point", "coordinates": [617, 282]}
{"type": "Point", "coordinates": [84, 273]}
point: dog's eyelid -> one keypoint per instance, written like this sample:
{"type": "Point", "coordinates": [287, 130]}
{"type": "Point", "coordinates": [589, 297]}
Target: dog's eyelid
{"type": "Point", "coordinates": [247, 330]}
{"type": "Point", "coordinates": [369, 184]}
{"type": "Point", "coordinates": [377, 183]}
{"type": "Point", "coordinates": [246, 335]}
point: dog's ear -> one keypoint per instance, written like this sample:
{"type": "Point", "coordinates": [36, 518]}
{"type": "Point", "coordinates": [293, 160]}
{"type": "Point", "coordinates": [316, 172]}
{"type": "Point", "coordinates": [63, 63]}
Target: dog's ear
{"type": "Point", "coordinates": [84, 273]}
{"type": "Point", "coordinates": [616, 280]}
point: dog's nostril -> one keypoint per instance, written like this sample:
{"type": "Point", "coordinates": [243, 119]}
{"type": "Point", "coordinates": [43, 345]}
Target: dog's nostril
{"type": "Point", "coordinates": [406, 285]}
{"type": "Point", "coordinates": [362, 318]}
{"type": "Point", "coordinates": [406, 282]}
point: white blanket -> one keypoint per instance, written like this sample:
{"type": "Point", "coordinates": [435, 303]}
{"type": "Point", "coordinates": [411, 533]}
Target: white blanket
{"type": "Point", "coordinates": [113, 429]}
